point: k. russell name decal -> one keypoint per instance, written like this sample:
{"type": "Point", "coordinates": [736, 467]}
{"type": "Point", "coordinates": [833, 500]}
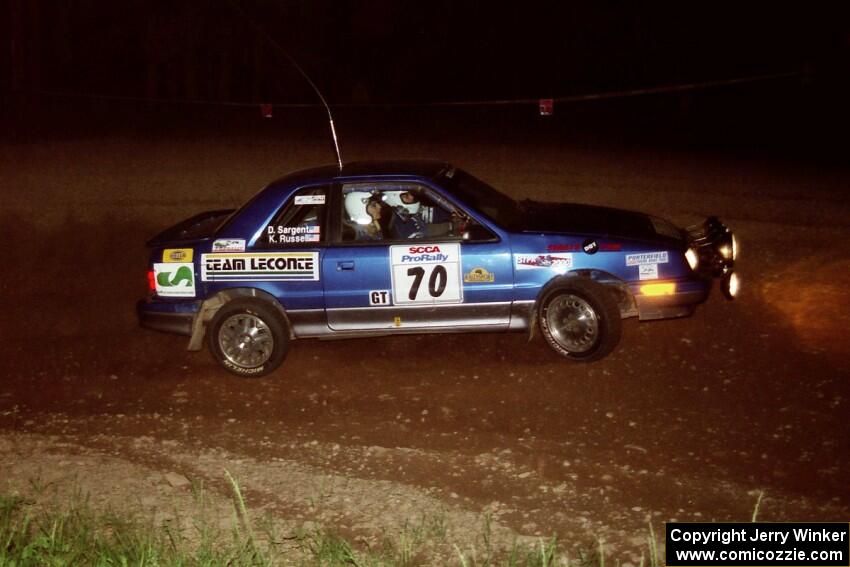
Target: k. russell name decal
{"type": "Point", "coordinates": [250, 267]}
{"type": "Point", "coordinates": [289, 234]}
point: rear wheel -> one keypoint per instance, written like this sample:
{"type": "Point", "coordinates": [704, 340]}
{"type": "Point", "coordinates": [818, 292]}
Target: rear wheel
{"type": "Point", "coordinates": [580, 319]}
{"type": "Point", "coordinates": [248, 338]}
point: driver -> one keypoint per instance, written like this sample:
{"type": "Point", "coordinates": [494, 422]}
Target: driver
{"type": "Point", "coordinates": [411, 219]}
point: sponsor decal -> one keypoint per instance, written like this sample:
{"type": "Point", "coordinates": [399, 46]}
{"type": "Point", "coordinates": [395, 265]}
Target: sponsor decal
{"type": "Point", "coordinates": [174, 279]}
{"type": "Point", "coordinates": [257, 267]}
{"type": "Point", "coordinates": [379, 297]}
{"type": "Point", "coordinates": [646, 258]}
{"type": "Point", "coordinates": [648, 271]}
{"type": "Point", "coordinates": [228, 245]}
{"type": "Point", "coordinates": [292, 234]}
{"type": "Point", "coordinates": [531, 261]}
{"type": "Point", "coordinates": [479, 275]}
{"type": "Point", "coordinates": [610, 246]}
{"type": "Point", "coordinates": [177, 255]}
{"type": "Point", "coordinates": [310, 200]}
{"type": "Point", "coordinates": [590, 246]}
{"type": "Point", "coordinates": [563, 248]}
{"type": "Point", "coordinates": [426, 274]}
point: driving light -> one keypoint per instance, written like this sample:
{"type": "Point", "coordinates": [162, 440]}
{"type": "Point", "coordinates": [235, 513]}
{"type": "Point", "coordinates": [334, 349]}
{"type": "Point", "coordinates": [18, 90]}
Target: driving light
{"type": "Point", "coordinates": [734, 247]}
{"type": "Point", "coordinates": [655, 289]}
{"type": "Point", "coordinates": [692, 257]}
{"type": "Point", "coordinates": [730, 285]}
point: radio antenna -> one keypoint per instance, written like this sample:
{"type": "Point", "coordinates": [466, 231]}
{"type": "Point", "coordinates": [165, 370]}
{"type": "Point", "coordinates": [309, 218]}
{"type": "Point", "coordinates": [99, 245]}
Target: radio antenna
{"type": "Point", "coordinates": [263, 33]}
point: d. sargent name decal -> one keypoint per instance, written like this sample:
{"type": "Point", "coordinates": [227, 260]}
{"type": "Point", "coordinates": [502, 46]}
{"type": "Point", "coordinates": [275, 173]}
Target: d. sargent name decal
{"type": "Point", "coordinates": [253, 267]}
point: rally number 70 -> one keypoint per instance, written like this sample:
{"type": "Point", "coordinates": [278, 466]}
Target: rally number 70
{"type": "Point", "coordinates": [436, 281]}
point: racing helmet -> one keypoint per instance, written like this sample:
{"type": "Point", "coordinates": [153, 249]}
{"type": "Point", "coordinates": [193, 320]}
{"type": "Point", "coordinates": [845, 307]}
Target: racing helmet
{"type": "Point", "coordinates": [355, 207]}
{"type": "Point", "coordinates": [393, 199]}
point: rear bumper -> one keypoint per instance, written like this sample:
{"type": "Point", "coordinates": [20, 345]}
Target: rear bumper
{"type": "Point", "coordinates": [167, 317]}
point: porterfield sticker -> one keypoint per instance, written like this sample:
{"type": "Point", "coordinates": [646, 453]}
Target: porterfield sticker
{"type": "Point", "coordinates": [174, 279]}
{"type": "Point", "coordinates": [260, 267]}
{"type": "Point", "coordinates": [646, 258]}
{"type": "Point", "coordinates": [426, 274]}
{"type": "Point", "coordinates": [648, 271]}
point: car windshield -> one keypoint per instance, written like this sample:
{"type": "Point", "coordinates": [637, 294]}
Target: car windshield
{"type": "Point", "coordinates": [499, 208]}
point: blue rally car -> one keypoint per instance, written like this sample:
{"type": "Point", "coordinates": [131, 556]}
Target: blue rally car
{"type": "Point", "coordinates": [420, 247]}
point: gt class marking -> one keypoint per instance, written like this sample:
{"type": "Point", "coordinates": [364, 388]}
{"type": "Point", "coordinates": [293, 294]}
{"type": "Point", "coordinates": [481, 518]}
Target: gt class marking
{"type": "Point", "coordinates": [379, 297]}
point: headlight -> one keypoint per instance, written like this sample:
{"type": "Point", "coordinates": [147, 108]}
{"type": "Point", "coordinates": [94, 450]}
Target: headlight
{"type": "Point", "coordinates": [730, 285]}
{"type": "Point", "coordinates": [692, 257]}
{"type": "Point", "coordinates": [729, 249]}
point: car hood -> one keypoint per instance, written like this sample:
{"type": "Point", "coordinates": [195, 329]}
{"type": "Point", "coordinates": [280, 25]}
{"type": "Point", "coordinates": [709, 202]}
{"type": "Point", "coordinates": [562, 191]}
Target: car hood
{"type": "Point", "coordinates": [592, 220]}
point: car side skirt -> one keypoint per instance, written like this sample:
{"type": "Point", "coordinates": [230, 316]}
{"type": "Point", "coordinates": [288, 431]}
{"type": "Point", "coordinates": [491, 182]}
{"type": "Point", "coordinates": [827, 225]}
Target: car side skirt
{"type": "Point", "coordinates": [312, 323]}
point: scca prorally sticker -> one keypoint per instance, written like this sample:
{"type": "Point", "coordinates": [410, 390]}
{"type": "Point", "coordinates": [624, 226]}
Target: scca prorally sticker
{"type": "Point", "coordinates": [177, 255]}
{"type": "Point", "coordinates": [310, 200]}
{"type": "Point", "coordinates": [228, 245]}
{"type": "Point", "coordinates": [293, 234]}
{"type": "Point", "coordinates": [174, 279]}
{"type": "Point", "coordinates": [479, 275]}
{"type": "Point", "coordinates": [426, 274]}
{"type": "Point", "coordinates": [379, 297]}
{"type": "Point", "coordinates": [646, 258]}
{"type": "Point", "coordinates": [648, 271]}
{"type": "Point", "coordinates": [260, 267]}
{"type": "Point", "coordinates": [553, 261]}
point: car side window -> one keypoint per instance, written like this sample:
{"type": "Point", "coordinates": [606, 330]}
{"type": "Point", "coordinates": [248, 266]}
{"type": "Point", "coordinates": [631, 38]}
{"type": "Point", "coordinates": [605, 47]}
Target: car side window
{"type": "Point", "coordinates": [399, 211]}
{"type": "Point", "coordinates": [299, 222]}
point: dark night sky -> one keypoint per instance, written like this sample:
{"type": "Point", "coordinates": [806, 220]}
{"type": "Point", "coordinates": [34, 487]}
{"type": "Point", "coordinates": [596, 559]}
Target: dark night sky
{"type": "Point", "coordinates": [383, 51]}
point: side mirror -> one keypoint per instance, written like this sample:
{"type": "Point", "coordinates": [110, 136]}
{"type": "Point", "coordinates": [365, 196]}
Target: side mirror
{"type": "Point", "coordinates": [476, 232]}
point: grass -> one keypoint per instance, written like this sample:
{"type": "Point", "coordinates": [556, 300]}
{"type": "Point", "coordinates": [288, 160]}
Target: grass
{"type": "Point", "coordinates": [76, 534]}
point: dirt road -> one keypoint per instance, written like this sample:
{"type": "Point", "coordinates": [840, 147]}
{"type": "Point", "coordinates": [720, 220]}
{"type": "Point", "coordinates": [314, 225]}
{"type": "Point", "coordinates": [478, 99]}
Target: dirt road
{"type": "Point", "coordinates": [689, 419]}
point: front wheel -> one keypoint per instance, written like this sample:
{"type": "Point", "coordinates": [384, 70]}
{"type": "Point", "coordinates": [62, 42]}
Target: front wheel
{"type": "Point", "coordinates": [580, 320]}
{"type": "Point", "coordinates": [248, 338]}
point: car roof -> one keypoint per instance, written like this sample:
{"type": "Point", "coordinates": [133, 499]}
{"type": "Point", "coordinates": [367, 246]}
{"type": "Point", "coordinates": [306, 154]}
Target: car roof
{"type": "Point", "coordinates": [414, 168]}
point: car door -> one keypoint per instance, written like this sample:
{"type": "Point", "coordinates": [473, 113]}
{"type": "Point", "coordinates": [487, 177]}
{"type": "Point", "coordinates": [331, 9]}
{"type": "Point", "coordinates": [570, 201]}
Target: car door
{"type": "Point", "coordinates": [283, 257]}
{"type": "Point", "coordinates": [427, 281]}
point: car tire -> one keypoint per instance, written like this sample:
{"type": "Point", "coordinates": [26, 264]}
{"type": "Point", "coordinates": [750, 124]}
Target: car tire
{"type": "Point", "coordinates": [248, 338]}
{"type": "Point", "coordinates": [580, 319]}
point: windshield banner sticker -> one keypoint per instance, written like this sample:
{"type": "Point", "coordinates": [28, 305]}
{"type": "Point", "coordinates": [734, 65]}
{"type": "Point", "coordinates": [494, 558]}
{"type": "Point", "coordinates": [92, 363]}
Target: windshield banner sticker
{"type": "Point", "coordinates": [256, 267]}
{"type": "Point", "coordinates": [174, 279]}
{"type": "Point", "coordinates": [646, 258]}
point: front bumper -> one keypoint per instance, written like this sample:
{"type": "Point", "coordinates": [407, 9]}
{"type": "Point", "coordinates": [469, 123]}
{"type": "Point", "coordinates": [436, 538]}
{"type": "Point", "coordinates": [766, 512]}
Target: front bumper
{"type": "Point", "coordinates": [168, 317]}
{"type": "Point", "coordinates": [680, 304]}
